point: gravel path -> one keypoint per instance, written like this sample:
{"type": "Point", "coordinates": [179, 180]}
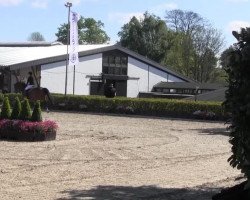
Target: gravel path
{"type": "Point", "coordinates": [112, 157]}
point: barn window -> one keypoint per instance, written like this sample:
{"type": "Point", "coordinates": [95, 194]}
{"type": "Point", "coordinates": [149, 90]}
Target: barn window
{"type": "Point", "coordinates": [114, 62]}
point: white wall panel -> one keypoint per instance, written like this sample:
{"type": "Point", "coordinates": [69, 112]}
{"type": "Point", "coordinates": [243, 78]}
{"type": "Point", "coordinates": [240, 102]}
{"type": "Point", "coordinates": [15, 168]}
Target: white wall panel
{"type": "Point", "coordinates": [174, 79]}
{"type": "Point", "coordinates": [147, 76]}
{"type": "Point", "coordinates": [137, 69]}
{"type": "Point", "coordinates": [53, 75]}
{"type": "Point", "coordinates": [133, 88]}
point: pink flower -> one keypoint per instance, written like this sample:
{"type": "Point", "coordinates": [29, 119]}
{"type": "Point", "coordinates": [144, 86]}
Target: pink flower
{"type": "Point", "coordinates": [28, 126]}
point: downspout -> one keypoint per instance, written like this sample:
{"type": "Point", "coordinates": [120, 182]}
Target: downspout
{"type": "Point", "coordinates": [148, 78]}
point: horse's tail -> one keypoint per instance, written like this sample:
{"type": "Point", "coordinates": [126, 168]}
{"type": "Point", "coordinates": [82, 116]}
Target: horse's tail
{"type": "Point", "coordinates": [47, 93]}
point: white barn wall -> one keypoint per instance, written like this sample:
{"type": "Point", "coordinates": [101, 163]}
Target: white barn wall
{"type": "Point", "coordinates": [89, 65]}
{"type": "Point", "coordinates": [147, 76]}
{"type": "Point", "coordinates": [174, 79]}
{"type": "Point", "coordinates": [137, 69]}
{"type": "Point", "coordinates": [156, 76]}
{"type": "Point", "coordinates": [53, 75]}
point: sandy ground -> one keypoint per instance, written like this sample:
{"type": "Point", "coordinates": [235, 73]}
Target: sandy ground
{"type": "Point", "coordinates": [112, 157]}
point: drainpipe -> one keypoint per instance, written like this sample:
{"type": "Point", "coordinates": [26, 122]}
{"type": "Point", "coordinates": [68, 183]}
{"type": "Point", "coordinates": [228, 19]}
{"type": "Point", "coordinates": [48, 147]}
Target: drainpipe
{"type": "Point", "coordinates": [148, 78]}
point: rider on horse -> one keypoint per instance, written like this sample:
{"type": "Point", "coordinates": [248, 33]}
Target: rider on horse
{"type": "Point", "coordinates": [30, 83]}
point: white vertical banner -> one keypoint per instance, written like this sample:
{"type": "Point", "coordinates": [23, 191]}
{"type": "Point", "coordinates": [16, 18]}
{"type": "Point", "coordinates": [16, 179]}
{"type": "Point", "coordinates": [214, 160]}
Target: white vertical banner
{"type": "Point", "coordinates": [73, 53]}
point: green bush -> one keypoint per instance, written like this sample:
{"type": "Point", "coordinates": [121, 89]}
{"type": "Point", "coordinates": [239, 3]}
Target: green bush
{"type": "Point", "coordinates": [141, 106]}
{"type": "Point", "coordinates": [16, 109]}
{"type": "Point", "coordinates": [137, 106]}
{"type": "Point", "coordinates": [6, 110]}
{"type": "Point", "coordinates": [37, 113]}
{"type": "Point", "coordinates": [26, 110]}
{"type": "Point", "coordinates": [238, 101]}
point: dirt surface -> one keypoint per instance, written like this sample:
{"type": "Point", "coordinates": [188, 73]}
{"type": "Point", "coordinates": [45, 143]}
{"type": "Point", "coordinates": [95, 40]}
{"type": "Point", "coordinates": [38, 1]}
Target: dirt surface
{"type": "Point", "coordinates": [112, 157]}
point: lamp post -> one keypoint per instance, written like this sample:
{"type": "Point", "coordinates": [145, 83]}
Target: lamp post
{"type": "Point", "coordinates": [68, 5]}
{"type": "Point", "coordinates": [196, 92]}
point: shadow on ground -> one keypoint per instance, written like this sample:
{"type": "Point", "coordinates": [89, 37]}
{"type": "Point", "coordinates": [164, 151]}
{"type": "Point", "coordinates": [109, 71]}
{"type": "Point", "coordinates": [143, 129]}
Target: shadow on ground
{"type": "Point", "coordinates": [213, 131]}
{"type": "Point", "coordinates": [140, 193]}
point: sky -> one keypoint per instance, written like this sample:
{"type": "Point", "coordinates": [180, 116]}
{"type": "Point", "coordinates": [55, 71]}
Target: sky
{"type": "Point", "coordinates": [19, 18]}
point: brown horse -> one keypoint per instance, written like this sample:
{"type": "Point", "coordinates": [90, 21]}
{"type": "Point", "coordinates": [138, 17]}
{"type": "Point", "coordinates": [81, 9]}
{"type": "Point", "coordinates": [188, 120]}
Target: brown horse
{"type": "Point", "coordinates": [34, 94]}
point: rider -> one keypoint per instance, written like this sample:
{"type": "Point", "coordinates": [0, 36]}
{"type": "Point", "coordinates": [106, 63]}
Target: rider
{"type": "Point", "coordinates": [30, 83]}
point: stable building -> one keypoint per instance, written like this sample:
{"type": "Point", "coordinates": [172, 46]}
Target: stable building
{"type": "Point", "coordinates": [129, 72]}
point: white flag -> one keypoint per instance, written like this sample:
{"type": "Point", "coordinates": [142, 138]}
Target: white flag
{"type": "Point", "coordinates": [73, 53]}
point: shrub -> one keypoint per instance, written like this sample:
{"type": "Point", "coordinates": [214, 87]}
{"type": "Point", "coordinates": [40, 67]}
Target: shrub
{"type": "Point", "coordinates": [37, 113]}
{"type": "Point", "coordinates": [27, 131]}
{"type": "Point", "coordinates": [6, 110]}
{"type": "Point", "coordinates": [137, 106]}
{"type": "Point", "coordinates": [141, 106]}
{"type": "Point", "coordinates": [26, 110]}
{"type": "Point", "coordinates": [16, 109]}
{"type": "Point", "coordinates": [237, 102]}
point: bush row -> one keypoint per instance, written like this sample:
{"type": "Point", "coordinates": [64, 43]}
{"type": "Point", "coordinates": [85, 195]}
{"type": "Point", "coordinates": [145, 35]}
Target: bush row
{"type": "Point", "coordinates": [20, 110]}
{"type": "Point", "coordinates": [138, 106]}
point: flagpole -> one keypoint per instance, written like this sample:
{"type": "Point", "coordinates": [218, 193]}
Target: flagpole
{"type": "Point", "coordinates": [68, 5]}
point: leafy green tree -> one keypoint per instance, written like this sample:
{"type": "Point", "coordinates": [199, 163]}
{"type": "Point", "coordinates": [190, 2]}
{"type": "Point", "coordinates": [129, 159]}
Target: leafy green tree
{"type": "Point", "coordinates": [89, 30]}
{"type": "Point", "coordinates": [148, 36]}
{"type": "Point", "coordinates": [16, 109]}
{"type": "Point", "coordinates": [6, 110]}
{"type": "Point", "coordinates": [26, 110]}
{"type": "Point", "coordinates": [37, 113]}
{"type": "Point", "coordinates": [224, 58]}
{"type": "Point", "coordinates": [197, 47]}
{"type": "Point", "coordinates": [175, 57]}
{"type": "Point", "coordinates": [237, 101]}
{"type": "Point", "coordinates": [36, 36]}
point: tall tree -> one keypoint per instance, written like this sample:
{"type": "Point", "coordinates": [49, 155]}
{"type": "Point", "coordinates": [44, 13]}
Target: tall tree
{"type": "Point", "coordinates": [36, 36]}
{"type": "Point", "coordinates": [89, 30]}
{"type": "Point", "coordinates": [207, 44]}
{"type": "Point", "coordinates": [148, 36]}
{"type": "Point", "coordinates": [200, 44]}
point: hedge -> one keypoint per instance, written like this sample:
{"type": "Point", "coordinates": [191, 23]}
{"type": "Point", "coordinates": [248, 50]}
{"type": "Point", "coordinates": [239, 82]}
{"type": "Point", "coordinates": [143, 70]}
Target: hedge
{"type": "Point", "coordinates": [138, 106]}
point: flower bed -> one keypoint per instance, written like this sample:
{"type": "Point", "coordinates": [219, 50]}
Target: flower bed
{"type": "Point", "coordinates": [27, 131]}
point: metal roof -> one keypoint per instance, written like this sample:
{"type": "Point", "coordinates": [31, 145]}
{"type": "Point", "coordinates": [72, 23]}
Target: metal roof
{"type": "Point", "coordinates": [26, 55]}
{"type": "Point", "coordinates": [188, 85]}
{"type": "Point", "coordinates": [21, 56]}
{"type": "Point", "coordinates": [29, 44]}
{"type": "Point", "coordinates": [216, 95]}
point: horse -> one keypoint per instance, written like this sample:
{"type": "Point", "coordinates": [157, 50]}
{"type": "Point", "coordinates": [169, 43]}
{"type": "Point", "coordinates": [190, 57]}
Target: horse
{"type": "Point", "coordinates": [34, 94]}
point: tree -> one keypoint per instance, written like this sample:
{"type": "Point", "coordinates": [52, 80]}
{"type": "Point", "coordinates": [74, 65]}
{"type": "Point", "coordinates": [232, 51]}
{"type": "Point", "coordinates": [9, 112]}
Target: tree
{"type": "Point", "coordinates": [207, 44]}
{"type": "Point", "coordinates": [36, 36]}
{"type": "Point", "coordinates": [224, 58]}
{"type": "Point", "coordinates": [237, 101]}
{"type": "Point", "coordinates": [89, 31]}
{"type": "Point", "coordinates": [37, 113]}
{"type": "Point", "coordinates": [25, 110]}
{"type": "Point", "coordinates": [198, 47]}
{"type": "Point", "coordinates": [186, 22]}
{"type": "Point", "coordinates": [6, 110]}
{"type": "Point", "coordinates": [16, 109]}
{"type": "Point", "coordinates": [149, 36]}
